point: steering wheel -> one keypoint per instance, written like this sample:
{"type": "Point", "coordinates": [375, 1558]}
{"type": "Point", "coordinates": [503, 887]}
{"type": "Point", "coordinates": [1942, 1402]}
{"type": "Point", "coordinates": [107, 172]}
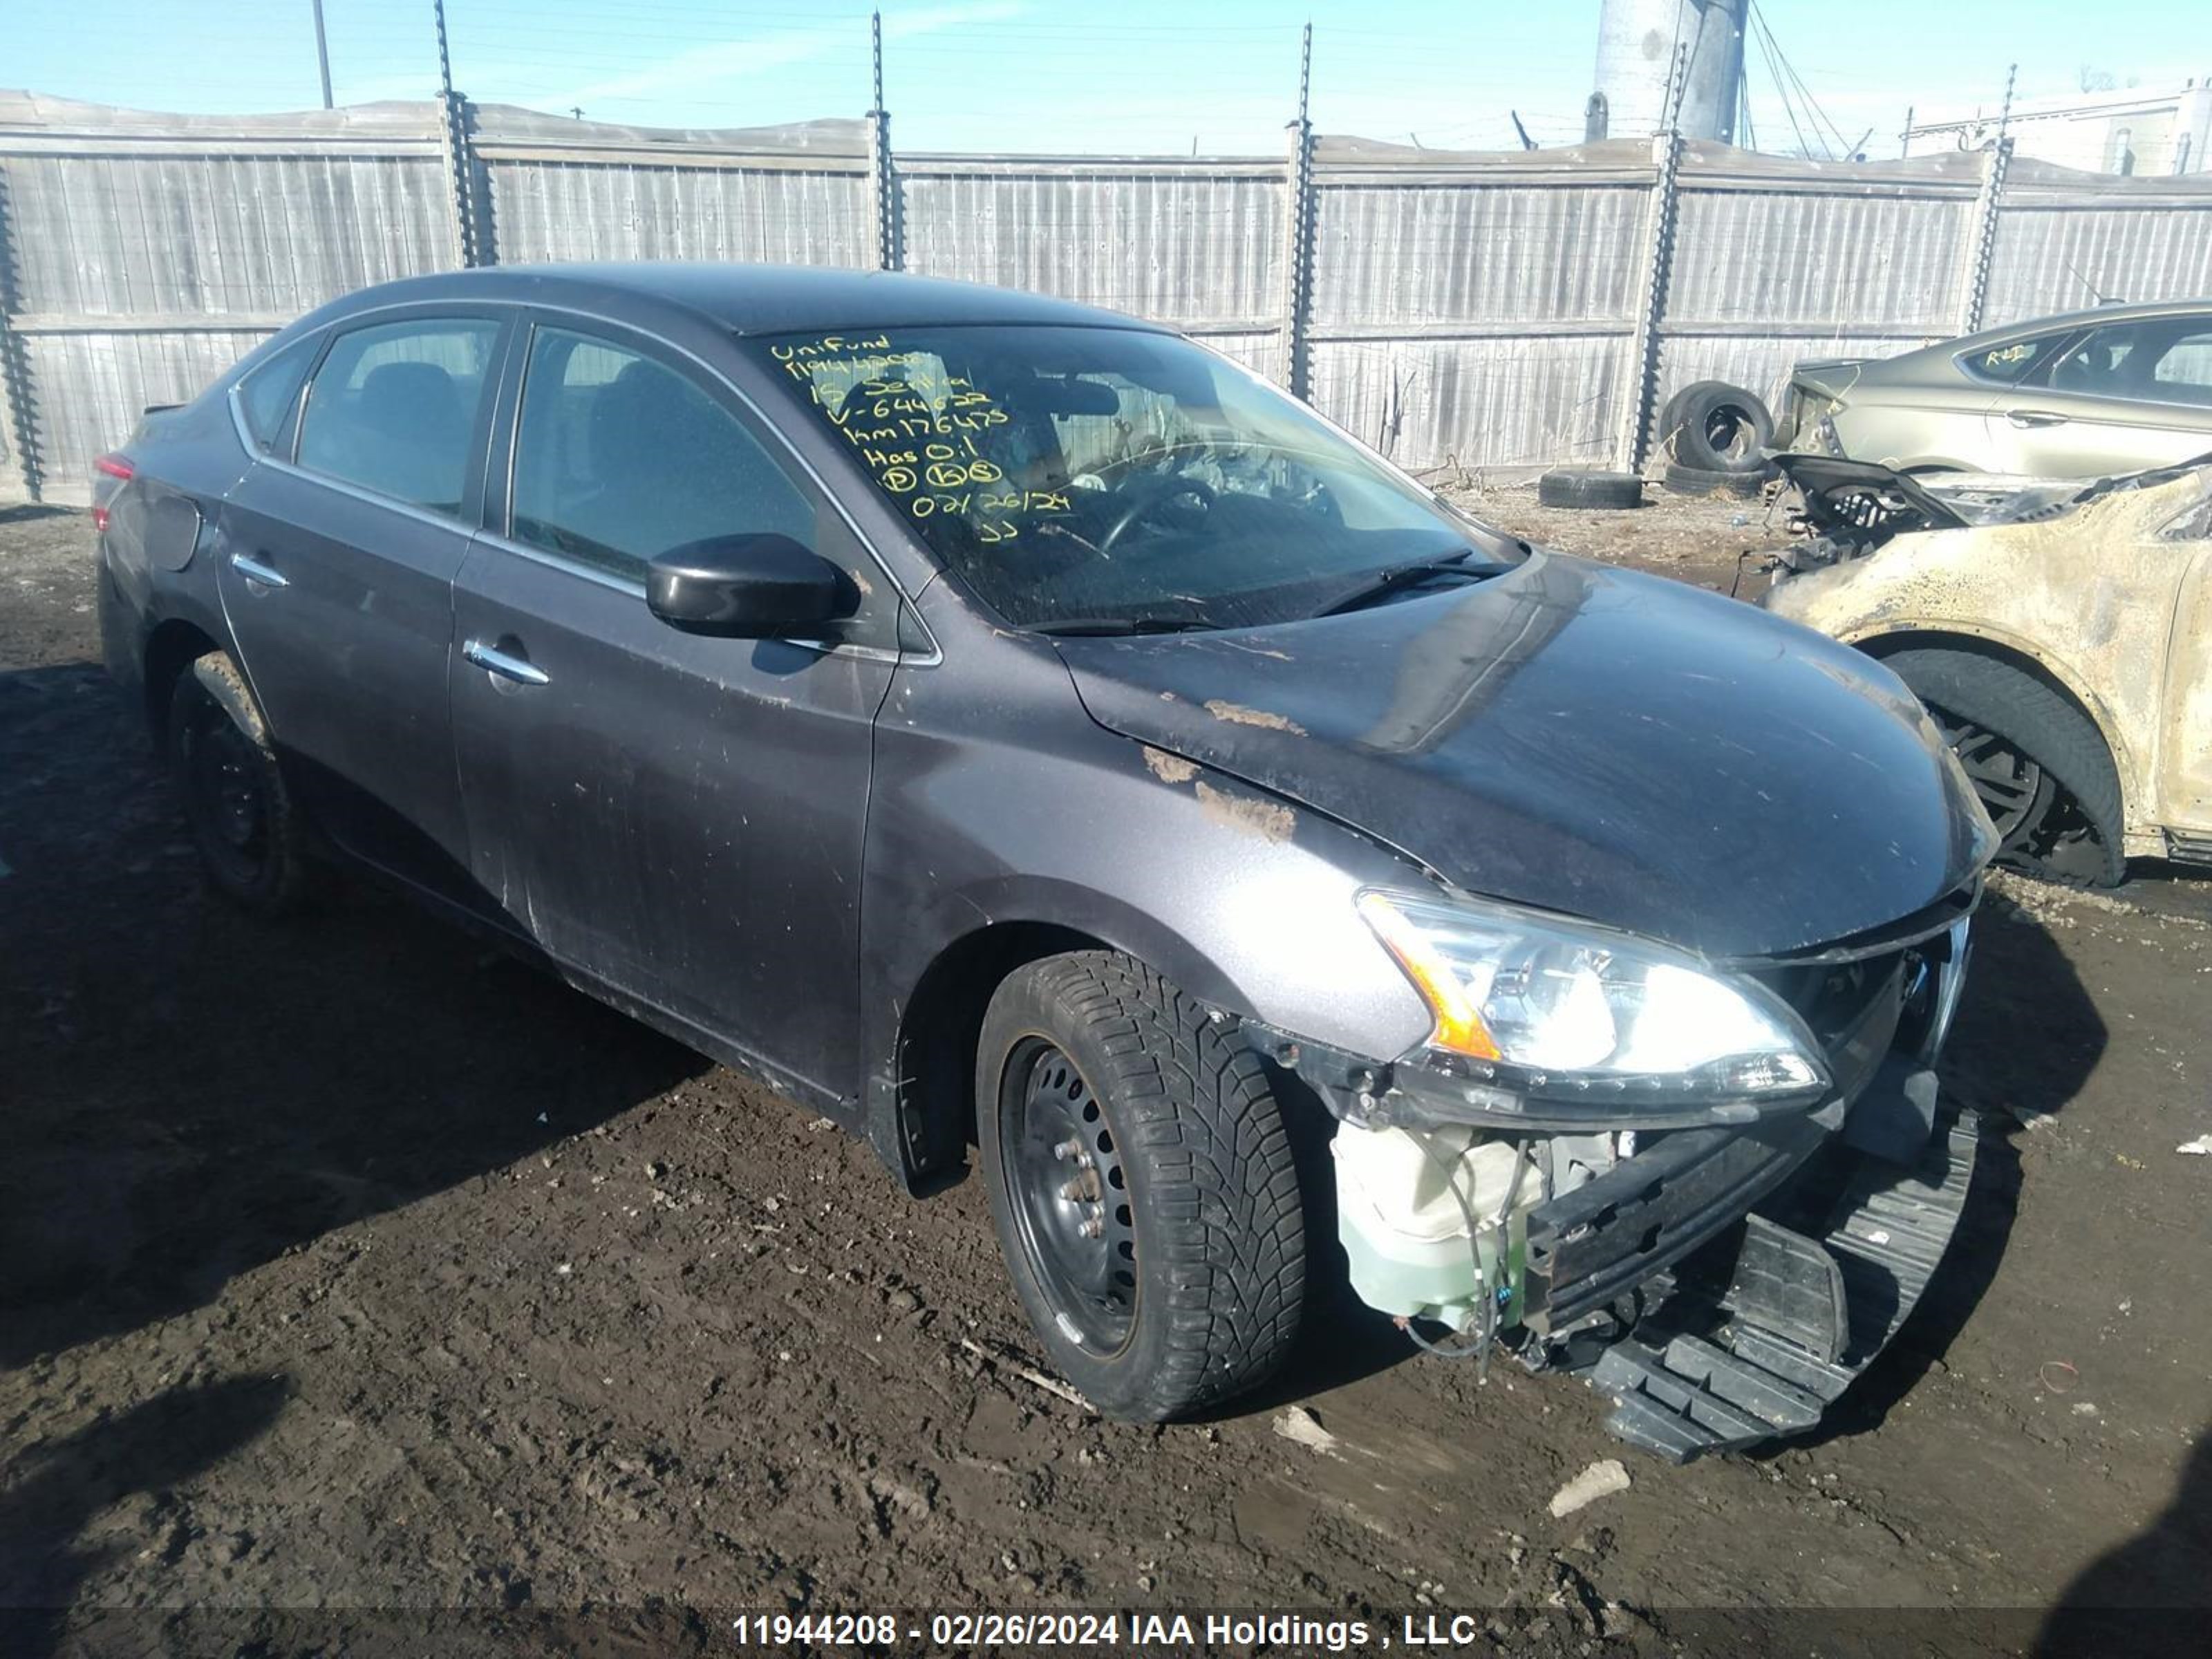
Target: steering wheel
{"type": "Point", "coordinates": [1149, 496]}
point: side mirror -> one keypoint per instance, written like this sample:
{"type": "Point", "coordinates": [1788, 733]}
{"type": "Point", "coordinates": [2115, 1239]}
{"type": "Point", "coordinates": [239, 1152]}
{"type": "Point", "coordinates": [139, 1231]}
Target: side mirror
{"type": "Point", "coordinates": [745, 587]}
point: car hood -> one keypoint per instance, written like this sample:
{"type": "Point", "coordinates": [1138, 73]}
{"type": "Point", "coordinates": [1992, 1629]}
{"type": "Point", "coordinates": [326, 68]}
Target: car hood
{"type": "Point", "coordinates": [1581, 739]}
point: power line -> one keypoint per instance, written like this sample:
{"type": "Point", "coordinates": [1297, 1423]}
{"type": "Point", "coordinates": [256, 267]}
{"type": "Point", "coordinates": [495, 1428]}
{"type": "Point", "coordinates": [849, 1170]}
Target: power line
{"type": "Point", "coordinates": [1785, 77]}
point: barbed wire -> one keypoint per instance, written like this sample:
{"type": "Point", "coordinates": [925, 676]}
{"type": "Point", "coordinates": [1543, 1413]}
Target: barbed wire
{"type": "Point", "coordinates": [1219, 84]}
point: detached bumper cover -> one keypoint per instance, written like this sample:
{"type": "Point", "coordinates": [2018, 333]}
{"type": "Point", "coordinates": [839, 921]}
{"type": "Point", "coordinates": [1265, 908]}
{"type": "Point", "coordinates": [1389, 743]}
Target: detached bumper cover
{"type": "Point", "coordinates": [1830, 1263]}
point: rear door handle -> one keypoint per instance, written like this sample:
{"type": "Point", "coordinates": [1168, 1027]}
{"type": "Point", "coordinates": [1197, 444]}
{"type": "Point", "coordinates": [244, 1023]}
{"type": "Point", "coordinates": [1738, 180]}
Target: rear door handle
{"type": "Point", "coordinates": [2035, 417]}
{"type": "Point", "coordinates": [255, 571]}
{"type": "Point", "coordinates": [506, 665]}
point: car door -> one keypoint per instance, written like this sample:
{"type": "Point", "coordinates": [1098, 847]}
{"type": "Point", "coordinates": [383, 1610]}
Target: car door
{"type": "Point", "coordinates": [2123, 397]}
{"type": "Point", "coordinates": [335, 566]}
{"type": "Point", "coordinates": [678, 817]}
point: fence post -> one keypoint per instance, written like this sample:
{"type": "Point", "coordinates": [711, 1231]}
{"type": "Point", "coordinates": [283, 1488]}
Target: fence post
{"type": "Point", "coordinates": [460, 155]}
{"type": "Point", "coordinates": [883, 215]}
{"type": "Point", "coordinates": [883, 194]}
{"type": "Point", "coordinates": [1298, 260]}
{"type": "Point", "coordinates": [15, 361]}
{"type": "Point", "coordinates": [1642, 377]}
{"type": "Point", "coordinates": [1297, 231]}
{"type": "Point", "coordinates": [1982, 237]}
{"type": "Point", "coordinates": [472, 231]}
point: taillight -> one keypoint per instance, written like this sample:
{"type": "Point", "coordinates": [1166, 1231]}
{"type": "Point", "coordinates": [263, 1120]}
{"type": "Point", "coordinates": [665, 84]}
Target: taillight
{"type": "Point", "coordinates": [112, 465]}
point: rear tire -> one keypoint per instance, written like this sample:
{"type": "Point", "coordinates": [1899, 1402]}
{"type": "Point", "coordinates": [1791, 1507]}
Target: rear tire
{"type": "Point", "coordinates": [245, 821]}
{"type": "Point", "coordinates": [1142, 1184]}
{"type": "Point", "coordinates": [2039, 764]}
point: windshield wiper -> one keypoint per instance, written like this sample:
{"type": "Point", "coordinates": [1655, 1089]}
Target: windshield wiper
{"type": "Point", "coordinates": [1394, 579]}
{"type": "Point", "coordinates": [1082, 626]}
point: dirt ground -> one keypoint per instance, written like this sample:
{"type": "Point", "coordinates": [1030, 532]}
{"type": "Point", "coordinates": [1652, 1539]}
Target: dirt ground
{"type": "Point", "coordinates": [347, 1270]}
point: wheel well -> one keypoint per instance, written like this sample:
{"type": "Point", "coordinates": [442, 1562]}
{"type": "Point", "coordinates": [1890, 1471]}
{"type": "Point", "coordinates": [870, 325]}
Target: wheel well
{"type": "Point", "coordinates": [941, 1024]}
{"type": "Point", "coordinates": [172, 649]}
{"type": "Point", "coordinates": [1886, 645]}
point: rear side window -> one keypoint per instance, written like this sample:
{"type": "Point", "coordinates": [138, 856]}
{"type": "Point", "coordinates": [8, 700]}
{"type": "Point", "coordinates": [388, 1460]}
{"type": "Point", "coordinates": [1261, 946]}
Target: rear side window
{"type": "Point", "coordinates": [266, 395]}
{"type": "Point", "coordinates": [619, 458]}
{"type": "Point", "coordinates": [392, 406]}
{"type": "Point", "coordinates": [2016, 364]}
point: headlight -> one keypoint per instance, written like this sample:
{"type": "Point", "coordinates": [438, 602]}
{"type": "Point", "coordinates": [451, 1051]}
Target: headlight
{"type": "Point", "coordinates": [1549, 1014]}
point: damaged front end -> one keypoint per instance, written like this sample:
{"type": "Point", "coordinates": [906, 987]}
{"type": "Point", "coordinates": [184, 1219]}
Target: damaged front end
{"type": "Point", "coordinates": [1847, 510]}
{"type": "Point", "coordinates": [1714, 1189]}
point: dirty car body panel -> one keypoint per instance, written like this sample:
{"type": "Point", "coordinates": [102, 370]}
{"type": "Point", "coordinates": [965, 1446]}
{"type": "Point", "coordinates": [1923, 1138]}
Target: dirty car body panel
{"type": "Point", "coordinates": [2100, 585]}
{"type": "Point", "coordinates": [1484, 732]}
{"type": "Point", "coordinates": [1113, 649]}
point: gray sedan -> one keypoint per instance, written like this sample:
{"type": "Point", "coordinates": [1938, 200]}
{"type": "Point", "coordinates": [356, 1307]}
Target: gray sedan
{"type": "Point", "coordinates": [2118, 389]}
{"type": "Point", "coordinates": [996, 721]}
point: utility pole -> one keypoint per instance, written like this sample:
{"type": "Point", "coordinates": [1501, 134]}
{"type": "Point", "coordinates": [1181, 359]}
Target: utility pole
{"type": "Point", "coordinates": [322, 53]}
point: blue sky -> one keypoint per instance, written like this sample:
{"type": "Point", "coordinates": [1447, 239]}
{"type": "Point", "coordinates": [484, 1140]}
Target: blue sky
{"type": "Point", "coordinates": [1147, 75]}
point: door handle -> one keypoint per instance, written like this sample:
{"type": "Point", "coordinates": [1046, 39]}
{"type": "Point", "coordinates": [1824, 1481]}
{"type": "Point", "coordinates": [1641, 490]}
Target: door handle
{"type": "Point", "coordinates": [2034, 417]}
{"type": "Point", "coordinates": [259, 572]}
{"type": "Point", "coordinates": [505, 664]}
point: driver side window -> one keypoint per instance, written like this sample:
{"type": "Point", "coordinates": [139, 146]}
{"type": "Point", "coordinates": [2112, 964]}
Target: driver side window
{"type": "Point", "coordinates": [619, 458]}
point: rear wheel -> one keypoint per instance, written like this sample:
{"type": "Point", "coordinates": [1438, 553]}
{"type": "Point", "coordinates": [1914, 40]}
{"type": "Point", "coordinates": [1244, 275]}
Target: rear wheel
{"type": "Point", "coordinates": [2039, 764]}
{"type": "Point", "coordinates": [244, 821]}
{"type": "Point", "coordinates": [1142, 1184]}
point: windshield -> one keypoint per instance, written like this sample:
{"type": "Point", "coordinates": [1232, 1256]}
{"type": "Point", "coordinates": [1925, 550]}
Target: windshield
{"type": "Point", "coordinates": [1110, 476]}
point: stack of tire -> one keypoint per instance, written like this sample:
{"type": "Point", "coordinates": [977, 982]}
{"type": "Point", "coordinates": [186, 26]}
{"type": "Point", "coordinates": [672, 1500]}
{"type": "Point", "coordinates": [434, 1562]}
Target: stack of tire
{"type": "Point", "coordinates": [1713, 438]}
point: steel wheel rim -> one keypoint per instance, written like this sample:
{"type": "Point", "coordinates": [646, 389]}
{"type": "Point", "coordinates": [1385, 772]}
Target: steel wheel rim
{"type": "Point", "coordinates": [1068, 1192]}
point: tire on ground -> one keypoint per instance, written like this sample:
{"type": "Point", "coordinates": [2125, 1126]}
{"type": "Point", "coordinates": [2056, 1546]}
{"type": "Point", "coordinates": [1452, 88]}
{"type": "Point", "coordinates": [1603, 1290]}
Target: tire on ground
{"type": "Point", "coordinates": [270, 875]}
{"type": "Point", "coordinates": [1713, 427]}
{"type": "Point", "coordinates": [2037, 721]}
{"type": "Point", "coordinates": [1697, 481]}
{"type": "Point", "coordinates": [1592, 490]}
{"type": "Point", "coordinates": [1218, 1236]}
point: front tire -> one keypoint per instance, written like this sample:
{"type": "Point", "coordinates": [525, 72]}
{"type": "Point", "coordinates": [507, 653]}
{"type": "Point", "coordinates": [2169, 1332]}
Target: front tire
{"type": "Point", "coordinates": [2040, 767]}
{"type": "Point", "coordinates": [243, 820]}
{"type": "Point", "coordinates": [1142, 1183]}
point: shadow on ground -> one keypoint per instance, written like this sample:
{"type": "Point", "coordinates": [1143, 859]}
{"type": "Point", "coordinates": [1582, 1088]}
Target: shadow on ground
{"type": "Point", "coordinates": [192, 1092]}
{"type": "Point", "coordinates": [59, 1487]}
{"type": "Point", "coordinates": [2147, 1596]}
{"type": "Point", "coordinates": [2026, 1039]}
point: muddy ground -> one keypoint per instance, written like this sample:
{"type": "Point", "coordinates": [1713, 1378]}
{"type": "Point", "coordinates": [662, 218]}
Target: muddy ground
{"type": "Point", "coordinates": [347, 1269]}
